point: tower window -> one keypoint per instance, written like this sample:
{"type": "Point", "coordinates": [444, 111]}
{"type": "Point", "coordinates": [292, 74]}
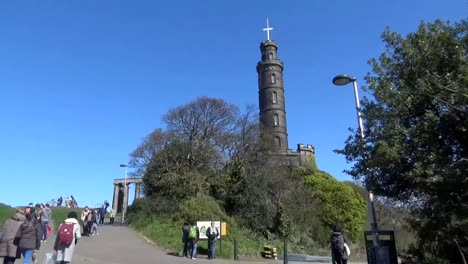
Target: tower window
{"type": "Point", "coordinates": [276, 120]}
{"type": "Point", "coordinates": [270, 56]}
{"type": "Point", "coordinates": [273, 78]}
{"type": "Point", "coordinates": [274, 97]}
{"type": "Point", "coordinates": [278, 141]}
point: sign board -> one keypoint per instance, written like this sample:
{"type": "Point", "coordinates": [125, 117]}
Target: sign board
{"type": "Point", "coordinates": [203, 226]}
{"type": "Point", "coordinates": [223, 229]}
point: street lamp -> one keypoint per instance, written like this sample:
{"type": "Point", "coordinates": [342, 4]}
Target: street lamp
{"type": "Point", "coordinates": [344, 80]}
{"type": "Point", "coordinates": [124, 209]}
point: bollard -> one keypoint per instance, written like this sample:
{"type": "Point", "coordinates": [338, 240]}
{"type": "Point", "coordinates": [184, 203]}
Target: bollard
{"type": "Point", "coordinates": [285, 252]}
{"type": "Point", "coordinates": [236, 250]}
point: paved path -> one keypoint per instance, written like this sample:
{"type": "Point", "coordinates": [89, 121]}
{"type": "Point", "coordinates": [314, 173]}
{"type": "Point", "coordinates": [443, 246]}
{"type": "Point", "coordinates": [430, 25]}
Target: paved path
{"type": "Point", "coordinates": [121, 245]}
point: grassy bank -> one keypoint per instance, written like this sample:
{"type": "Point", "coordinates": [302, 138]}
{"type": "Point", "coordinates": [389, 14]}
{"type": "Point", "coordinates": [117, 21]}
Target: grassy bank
{"type": "Point", "coordinates": [59, 214]}
{"type": "Point", "coordinates": [167, 235]}
{"type": "Point", "coordinates": [5, 213]}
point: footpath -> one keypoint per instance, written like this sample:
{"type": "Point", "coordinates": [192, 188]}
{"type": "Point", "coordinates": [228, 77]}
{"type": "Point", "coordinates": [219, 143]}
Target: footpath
{"type": "Point", "coordinates": [121, 245]}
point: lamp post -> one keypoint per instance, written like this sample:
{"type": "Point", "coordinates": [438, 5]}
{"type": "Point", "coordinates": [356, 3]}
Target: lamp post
{"type": "Point", "coordinates": [344, 80]}
{"type": "Point", "coordinates": [124, 204]}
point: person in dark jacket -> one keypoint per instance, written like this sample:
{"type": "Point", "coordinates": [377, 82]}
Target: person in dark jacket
{"type": "Point", "coordinates": [337, 241]}
{"type": "Point", "coordinates": [102, 214]}
{"type": "Point", "coordinates": [8, 251]}
{"type": "Point", "coordinates": [212, 234]}
{"type": "Point", "coordinates": [90, 218]}
{"type": "Point", "coordinates": [185, 239]}
{"type": "Point", "coordinates": [28, 237]}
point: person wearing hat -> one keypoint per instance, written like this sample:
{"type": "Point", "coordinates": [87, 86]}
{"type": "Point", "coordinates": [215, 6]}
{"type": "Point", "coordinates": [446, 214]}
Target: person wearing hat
{"type": "Point", "coordinates": [8, 251]}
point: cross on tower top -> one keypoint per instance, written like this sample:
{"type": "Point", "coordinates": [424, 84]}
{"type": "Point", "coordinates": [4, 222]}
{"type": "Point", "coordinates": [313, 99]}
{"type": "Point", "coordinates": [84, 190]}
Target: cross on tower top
{"type": "Point", "coordinates": [268, 29]}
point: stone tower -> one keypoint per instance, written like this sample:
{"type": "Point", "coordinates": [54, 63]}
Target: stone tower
{"type": "Point", "coordinates": [271, 95]}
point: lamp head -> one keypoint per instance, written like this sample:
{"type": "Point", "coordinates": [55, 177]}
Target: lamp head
{"type": "Point", "coordinates": [123, 165]}
{"type": "Point", "coordinates": [343, 79]}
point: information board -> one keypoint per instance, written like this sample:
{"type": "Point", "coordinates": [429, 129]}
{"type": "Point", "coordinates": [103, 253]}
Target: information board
{"type": "Point", "coordinates": [203, 226]}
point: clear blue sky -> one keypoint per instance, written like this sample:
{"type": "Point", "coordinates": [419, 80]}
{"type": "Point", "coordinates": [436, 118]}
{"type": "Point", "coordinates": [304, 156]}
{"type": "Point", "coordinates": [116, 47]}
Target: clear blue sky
{"type": "Point", "coordinates": [81, 82]}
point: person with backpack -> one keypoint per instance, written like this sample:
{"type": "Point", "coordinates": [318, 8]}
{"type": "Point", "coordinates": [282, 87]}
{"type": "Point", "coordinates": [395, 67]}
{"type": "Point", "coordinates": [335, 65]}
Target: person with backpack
{"type": "Point", "coordinates": [338, 240]}
{"type": "Point", "coordinates": [185, 239]}
{"type": "Point", "coordinates": [28, 237]}
{"type": "Point", "coordinates": [212, 234]}
{"type": "Point", "coordinates": [193, 236]}
{"type": "Point", "coordinates": [69, 232]}
{"type": "Point", "coordinates": [46, 214]}
{"type": "Point", "coordinates": [8, 251]}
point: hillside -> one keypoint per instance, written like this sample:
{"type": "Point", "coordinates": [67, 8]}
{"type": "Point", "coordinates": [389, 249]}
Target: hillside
{"type": "Point", "coordinates": [5, 213]}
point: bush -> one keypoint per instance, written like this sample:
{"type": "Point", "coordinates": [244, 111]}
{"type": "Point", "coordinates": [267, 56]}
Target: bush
{"type": "Point", "coordinates": [204, 208]}
{"type": "Point", "coordinates": [340, 204]}
{"type": "Point", "coordinates": [59, 214]}
{"type": "Point", "coordinates": [5, 213]}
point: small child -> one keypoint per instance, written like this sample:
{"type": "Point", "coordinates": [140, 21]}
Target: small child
{"type": "Point", "coordinates": [94, 229]}
{"type": "Point", "coordinates": [111, 215]}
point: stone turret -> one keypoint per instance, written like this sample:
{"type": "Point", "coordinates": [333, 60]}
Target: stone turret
{"type": "Point", "coordinates": [271, 95]}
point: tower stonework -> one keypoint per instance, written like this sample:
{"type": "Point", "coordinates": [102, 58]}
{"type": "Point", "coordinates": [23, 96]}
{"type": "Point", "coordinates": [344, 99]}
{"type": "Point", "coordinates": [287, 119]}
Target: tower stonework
{"type": "Point", "coordinates": [272, 106]}
{"type": "Point", "coordinates": [271, 95]}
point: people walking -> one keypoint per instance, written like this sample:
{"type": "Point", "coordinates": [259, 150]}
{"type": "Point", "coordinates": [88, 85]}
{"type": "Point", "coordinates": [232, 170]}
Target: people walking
{"type": "Point", "coordinates": [84, 219]}
{"type": "Point", "coordinates": [337, 241]}
{"type": "Point", "coordinates": [8, 251]}
{"type": "Point", "coordinates": [46, 214]}
{"type": "Point", "coordinates": [94, 228]}
{"type": "Point", "coordinates": [90, 220]}
{"type": "Point", "coordinates": [38, 211]}
{"type": "Point", "coordinates": [212, 233]}
{"type": "Point", "coordinates": [185, 239]}
{"type": "Point", "coordinates": [194, 236]}
{"type": "Point", "coordinates": [28, 237]}
{"type": "Point", "coordinates": [68, 235]}
{"type": "Point", "coordinates": [102, 212]}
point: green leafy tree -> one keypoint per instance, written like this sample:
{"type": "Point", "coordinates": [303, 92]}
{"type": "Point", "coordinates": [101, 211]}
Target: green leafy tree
{"type": "Point", "coordinates": [416, 127]}
{"type": "Point", "coordinates": [339, 203]}
{"type": "Point", "coordinates": [201, 138]}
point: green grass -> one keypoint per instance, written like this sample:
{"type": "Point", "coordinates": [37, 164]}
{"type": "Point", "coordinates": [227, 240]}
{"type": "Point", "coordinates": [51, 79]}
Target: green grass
{"type": "Point", "coordinates": [167, 234]}
{"type": "Point", "coordinates": [59, 214]}
{"type": "Point", "coordinates": [5, 213]}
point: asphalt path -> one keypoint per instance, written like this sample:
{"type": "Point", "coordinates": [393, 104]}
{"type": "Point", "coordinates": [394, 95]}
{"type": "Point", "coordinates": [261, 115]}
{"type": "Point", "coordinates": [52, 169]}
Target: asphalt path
{"type": "Point", "coordinates": [121, 245]}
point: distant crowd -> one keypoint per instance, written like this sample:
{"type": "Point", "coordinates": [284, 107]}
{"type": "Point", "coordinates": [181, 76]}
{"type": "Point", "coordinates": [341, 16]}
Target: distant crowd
{"type": "Point", "coordinates": [23, 234]}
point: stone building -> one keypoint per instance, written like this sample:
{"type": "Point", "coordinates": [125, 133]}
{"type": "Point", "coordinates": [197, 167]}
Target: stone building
{"type": "Point", "coordinates": [272, 106]}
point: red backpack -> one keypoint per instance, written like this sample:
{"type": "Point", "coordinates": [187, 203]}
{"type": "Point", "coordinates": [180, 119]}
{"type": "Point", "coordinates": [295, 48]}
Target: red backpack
{"type": "Point", "coordinates": [66, 234]}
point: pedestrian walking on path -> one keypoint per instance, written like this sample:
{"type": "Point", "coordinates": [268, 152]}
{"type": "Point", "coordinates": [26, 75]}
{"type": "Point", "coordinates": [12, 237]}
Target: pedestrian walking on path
{"type": "Point", "coordinates": [8, 251]}
{"type": "Point", "coordinates": [46, 214]}
{"type": "Point", "coordinates": [68, 235]}
{"type": "Point", "coordinates": [28, 237]}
